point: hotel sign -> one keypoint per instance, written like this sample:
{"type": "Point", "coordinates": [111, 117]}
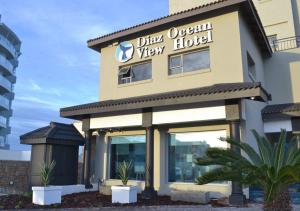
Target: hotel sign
{"type": "Point", "coordinates": [200, 34]}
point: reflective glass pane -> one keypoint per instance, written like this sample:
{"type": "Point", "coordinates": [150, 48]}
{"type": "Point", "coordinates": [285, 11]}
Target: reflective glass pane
{"type": "Point", "coordinates": [128, 148]}
{"type": "Point", "coordinates": [142, 71]}
{"type": "Point", "coordinates": [175, 61]}
{"type": "Point", "coordinates": [184, 148]}
{"type": "Point", "coordinates": [196, 61]}
{"type": "Point", "coordinates": [175, 70]}
{"type": "Point", "coordinates": [125, 75]}
{"type": "Point", "coordinates": [124, 70]}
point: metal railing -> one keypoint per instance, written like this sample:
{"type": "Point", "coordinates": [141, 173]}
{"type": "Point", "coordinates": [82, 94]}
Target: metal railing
{"type": "Point", "coordinates": [3, 121]}
{"type": "Point", "coordinates": [4, 102]}
{"type": "Point", "coordinates": [286, 43]}
{"type": "Point", "coordinates": [2, 141]}
{"type": "Point", "coordinates": [5, 83]}
{"type": "Point", "coordinates": [9, 46]}
{"type": "Point", "coordinates": [6, 64]}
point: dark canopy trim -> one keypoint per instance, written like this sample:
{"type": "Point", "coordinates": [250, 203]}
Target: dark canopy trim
{"type": "Point", "coordinates": [281, 111]}
{"type": "Point", "coordinates": [55, 133]}
{"type": "Point", "coordinates": [213, 93]}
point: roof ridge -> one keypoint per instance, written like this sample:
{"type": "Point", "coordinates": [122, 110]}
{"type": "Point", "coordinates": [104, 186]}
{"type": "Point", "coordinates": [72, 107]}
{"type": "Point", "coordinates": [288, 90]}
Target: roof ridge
{"type": "Point", "coordinates": [280, 108]}
{"type": "Point", "coordinates": [157, 19]}
{"type": "Point", "coordinates": [52, 134]}
{"type": "Point", "coordinates": [34, 131]}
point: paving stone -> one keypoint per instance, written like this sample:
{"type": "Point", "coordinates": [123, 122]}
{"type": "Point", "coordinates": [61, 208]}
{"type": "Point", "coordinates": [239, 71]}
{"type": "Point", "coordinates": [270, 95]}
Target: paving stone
{"type": "Point", "coordinates": [190, 196]}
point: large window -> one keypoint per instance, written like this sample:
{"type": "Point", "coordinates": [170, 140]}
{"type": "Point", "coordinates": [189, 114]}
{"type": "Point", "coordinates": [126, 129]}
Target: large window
{"type": "Point", "coordinates": [188, 62]}
{"type": "Point", "coordinates": [133, 73]}
{"type": "Point", "coordinates": [129, 149]}
{"type": "Point", "coordinates": [184, 148]}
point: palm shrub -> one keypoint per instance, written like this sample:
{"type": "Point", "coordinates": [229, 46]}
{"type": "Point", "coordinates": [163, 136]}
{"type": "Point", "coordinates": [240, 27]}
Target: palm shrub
{"type": "Point", "coordinates": [272, 167]}
{"type": "Point", "coordinates": [46, 172]}
{"type": "Point", "coordinates": [124, 170]}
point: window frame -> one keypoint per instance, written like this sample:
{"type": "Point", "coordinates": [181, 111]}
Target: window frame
{"type": "Point", "coordinates": [181, 55]}
{"type": "Point", "coordinates": [108, 173]}
{"type": "Point", "coordinates": [130, 66]}
{"type": "Point", "coordinates": [167, 155]}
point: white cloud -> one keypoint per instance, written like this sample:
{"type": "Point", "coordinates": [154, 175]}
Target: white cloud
{"type": "Point", "coordinates": [34, 86]}
{"type": "Point", "coordinates": [29, 101]}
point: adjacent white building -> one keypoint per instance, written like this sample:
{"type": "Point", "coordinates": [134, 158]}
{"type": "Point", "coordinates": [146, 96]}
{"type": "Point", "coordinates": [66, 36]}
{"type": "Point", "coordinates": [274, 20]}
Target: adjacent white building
{"type": "Point", "coordinates": [9, 52]}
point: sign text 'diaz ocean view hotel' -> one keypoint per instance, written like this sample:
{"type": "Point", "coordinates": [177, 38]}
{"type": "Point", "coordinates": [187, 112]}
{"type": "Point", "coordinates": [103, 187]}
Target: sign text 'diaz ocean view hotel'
{"type": "Point", "coordinates": [171, 87]}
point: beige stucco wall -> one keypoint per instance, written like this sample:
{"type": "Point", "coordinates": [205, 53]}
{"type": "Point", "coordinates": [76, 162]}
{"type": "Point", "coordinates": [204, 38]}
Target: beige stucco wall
{"type": "Point", "coordinates": [161, 183]}
{"type": "Point", "coordinates": [225, 56]}
{"type": "Point", "coordinates": [279, 17]}
{"type": "Point", "coordinates": [180, 5]}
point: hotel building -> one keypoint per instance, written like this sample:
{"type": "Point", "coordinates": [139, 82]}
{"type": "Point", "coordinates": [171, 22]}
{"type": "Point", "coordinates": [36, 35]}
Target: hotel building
{"type": "Point", "coordinates": [169, 88]}
{"type": "Point", "coordinates": [9, 53]}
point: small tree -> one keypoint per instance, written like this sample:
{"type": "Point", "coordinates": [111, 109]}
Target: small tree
{"type": "Point", "coordinates": [124, 170]}
{"type": "Point", "coordinates": [273, 168]}
{"type": "Point", "coordinates": [46, 172]}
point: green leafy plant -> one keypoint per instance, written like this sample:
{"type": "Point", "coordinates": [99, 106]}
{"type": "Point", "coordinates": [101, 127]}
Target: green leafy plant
{"type": "Point", "coordinates": [272, 167]}
{"type": "Point", "coordinates": [124, 170]}
{"type": "Point", "coordinates": [19, 205]}
{"type": "Point", "coordinates": [46, 172]}
{"type": "Point", "coordinates": [28, 194]}
{"type": "Point", "coordinates": [56, 205]}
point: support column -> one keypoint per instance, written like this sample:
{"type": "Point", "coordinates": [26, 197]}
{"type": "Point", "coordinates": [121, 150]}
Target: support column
{"type": "Point", "coordinates": [149, 191]}
{"type": "Point", "coordinates": [296, 129]}
{"type": "Point", "coordinates": [237, 197]}
{"type": "Point", "coordinates": [297, 135]}
{"type": "Point", "coordinates": [82, 170]}
{"type": "Point", "coordinates": [87, 161]}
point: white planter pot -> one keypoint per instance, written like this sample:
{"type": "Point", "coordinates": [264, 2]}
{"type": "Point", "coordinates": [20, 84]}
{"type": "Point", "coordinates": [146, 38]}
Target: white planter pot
{"type": "Point", "coordinates": [124, 194]}
{"type": "Point", "coordinates": [46, 195]}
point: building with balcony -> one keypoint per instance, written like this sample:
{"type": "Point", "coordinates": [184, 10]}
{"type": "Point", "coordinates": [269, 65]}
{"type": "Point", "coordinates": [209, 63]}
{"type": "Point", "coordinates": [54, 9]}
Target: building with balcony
{"type": "Point", "coordinates": [169, 88]}
{"type": "Point", "coordinates": [9, 54]}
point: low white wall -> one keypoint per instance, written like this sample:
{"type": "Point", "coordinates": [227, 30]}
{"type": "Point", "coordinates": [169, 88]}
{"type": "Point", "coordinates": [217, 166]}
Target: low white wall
{"type": "Point", "coordinates": [277, 125]}
{"type": "Point", "coordinates": [70, 189]}
{"type": "Point", "coordinates": [117, 121]}
{"type": "Point", "coordinates": [189, 115]}
{"type": "Point", "coordinates": [15, 155]}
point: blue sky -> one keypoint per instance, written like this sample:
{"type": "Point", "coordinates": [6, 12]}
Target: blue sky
{"type": "Point", "coordinates": [56, 68]}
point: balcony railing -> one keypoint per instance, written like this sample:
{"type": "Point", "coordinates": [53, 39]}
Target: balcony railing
{"type": "Point", "coordinates": [2, 141]}
{"type": "Point", "coordinates": [10, 47]}
{"type": "Point", "coordinates": [3, 122]}
{"type": "Point", "coordinates": [4, 102]}
{"type": "Point", "coordinates": [6, 64]}
{"type": "Point", "coordinates": [286, 44]}
{"type": "Point", "coordinates": [5, 83]}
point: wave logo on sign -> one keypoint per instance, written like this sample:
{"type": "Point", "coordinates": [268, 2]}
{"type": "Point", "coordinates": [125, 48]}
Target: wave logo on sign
{"type": "Point", "coordinates": [124, 51]}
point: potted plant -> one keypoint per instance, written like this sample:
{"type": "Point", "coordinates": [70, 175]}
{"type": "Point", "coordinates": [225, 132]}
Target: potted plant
{"type": "Point", "coordinates": [46, 195]}
{"type": "Point", "coordinates": [124, 194]}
